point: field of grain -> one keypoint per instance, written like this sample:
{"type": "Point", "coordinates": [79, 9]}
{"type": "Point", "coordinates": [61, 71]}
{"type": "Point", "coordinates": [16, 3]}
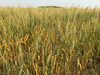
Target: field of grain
{"type": "Point", "coordinates": [49, 41]}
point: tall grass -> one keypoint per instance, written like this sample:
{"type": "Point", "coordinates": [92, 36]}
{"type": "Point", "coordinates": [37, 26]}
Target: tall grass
{"type": "Point", "coordinates": [48, 41]}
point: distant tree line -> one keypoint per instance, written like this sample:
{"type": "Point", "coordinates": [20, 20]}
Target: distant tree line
{"type": "Point", "coordinates": [49, 7]}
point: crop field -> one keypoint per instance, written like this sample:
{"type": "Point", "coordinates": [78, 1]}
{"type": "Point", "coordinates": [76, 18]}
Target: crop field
{"type": "Point", "coordinates": [49, 41]}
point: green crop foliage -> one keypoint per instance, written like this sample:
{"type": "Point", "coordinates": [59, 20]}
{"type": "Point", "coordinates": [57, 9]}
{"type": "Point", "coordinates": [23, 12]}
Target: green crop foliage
{"type": "Point", "coordinates": [49, 41]}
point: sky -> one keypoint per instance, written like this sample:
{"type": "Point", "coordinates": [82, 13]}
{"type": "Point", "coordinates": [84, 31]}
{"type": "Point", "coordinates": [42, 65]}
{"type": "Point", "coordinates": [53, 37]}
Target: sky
{"type": "Point", "coordinates": [63, 3]}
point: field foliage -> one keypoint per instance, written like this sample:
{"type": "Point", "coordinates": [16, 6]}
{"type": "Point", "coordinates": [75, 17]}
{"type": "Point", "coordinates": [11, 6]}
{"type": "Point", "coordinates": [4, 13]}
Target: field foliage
{"type": "Point", "coordinates": [49, 41]}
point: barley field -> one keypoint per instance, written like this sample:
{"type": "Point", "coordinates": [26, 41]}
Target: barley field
{"type": "Point", "coordinates": [49, 41]}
